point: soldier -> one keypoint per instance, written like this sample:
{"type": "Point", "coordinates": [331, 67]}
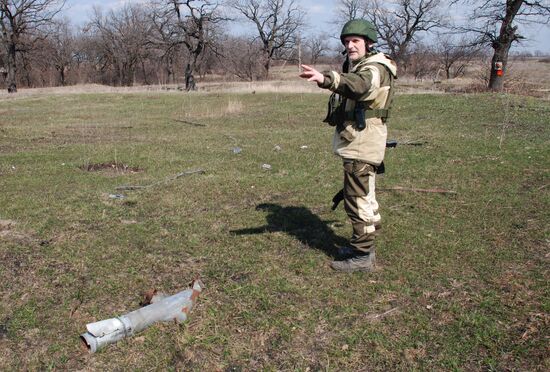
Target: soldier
{"type": "Point", "coordinates": [359, 108]}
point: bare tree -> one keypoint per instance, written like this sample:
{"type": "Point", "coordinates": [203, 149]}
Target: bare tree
{"type": "Point", "coordinates": [120, 39]}
{"type": "Point", "coordinates": [191, 24]}
{"type": "Point", "coordinates": [240, 57]}
{"type": "Point", "coordinates": [347, 10]}
{"type": "Point", "coordinates": [34, 60]}
{"type": "Point", "coordinates": [422, 62]}
{"type": "Point", "coordinates": [455, 55]}
{"type": "Point", "coordinates": [19, 18]}
{"type": "Point", "coordinates": [316, 47]}
{"type": "Point", "coordinates": [80, 57]}
{"type": "Point", "coordinates": [61, 48]}
{"type": "Point", "coordinates": [277, 22]}
{"type": "Point", "coordinates": [495, 23]}
{"type": "Point", "coordinates": [399, 23]}
{"type": "Point", "coordinates": [164, 38]}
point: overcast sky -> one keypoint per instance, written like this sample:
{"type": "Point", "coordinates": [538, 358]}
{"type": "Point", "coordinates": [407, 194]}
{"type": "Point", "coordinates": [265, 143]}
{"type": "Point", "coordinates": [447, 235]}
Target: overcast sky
{"type": "Point", "coordinates": [318, 14]}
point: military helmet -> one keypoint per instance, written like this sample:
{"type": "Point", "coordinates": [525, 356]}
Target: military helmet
{"type": "Point", "coordinates": [359, 27]}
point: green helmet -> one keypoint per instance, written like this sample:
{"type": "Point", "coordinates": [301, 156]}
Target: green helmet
{"type": "Point", "coordinates": [359, 27]}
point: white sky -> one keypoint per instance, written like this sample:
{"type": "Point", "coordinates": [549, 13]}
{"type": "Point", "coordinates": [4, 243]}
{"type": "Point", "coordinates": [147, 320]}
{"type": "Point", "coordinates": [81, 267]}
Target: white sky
{"type": "Point", "coordinates": [318, 13]}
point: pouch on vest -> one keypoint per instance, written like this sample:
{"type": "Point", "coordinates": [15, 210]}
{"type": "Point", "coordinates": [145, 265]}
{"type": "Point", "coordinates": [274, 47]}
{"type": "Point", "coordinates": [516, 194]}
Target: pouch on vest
{"type": "Point", "coordinates": [336, 110]}
{"type": "Point", "coordinates": [359, 114]}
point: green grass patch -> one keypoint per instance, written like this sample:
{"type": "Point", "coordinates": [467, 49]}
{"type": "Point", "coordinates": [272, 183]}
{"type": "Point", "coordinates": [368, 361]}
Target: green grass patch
{"type": "Point", "coordinates": [463, 283]}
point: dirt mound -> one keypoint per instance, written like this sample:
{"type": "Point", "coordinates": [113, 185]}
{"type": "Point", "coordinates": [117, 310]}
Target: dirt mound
{"type": "Point", "coordinates": [110, 166]}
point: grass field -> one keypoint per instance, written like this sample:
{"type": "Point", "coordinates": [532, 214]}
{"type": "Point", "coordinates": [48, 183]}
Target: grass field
{"type": "Point", "coordinates": [463, 278]}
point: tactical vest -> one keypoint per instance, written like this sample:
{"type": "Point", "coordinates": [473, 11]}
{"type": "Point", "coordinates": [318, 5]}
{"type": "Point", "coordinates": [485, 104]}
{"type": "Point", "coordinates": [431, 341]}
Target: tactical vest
{"type": "Point", "coordinates": [339, 111]}
{"type": "Point", "coordinates": [361, 131]}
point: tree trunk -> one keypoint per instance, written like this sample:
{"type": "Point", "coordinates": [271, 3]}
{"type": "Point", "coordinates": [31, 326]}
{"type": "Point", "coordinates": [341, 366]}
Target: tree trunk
{"type": "Point", "coordinates": [496, 80]}
{"type": "Point", "coordinates": [27, 71]}
{"type": "Point", "coordinates": [126, 74]}
{"type": "Point", "coordinates": [62, 75]}
{"type": "Point", "coordinates": [145, 79]}
{"type": "Point", "coordinates": [12, 68]}
{"type": "Point", "coordinates": [190, 83]}
{"type": "Point", "coordinates": [502, 44]}
{"type": "Point", "coordinates": [267, 64]}
{"type": "Point", "coordinates": [170, 70]}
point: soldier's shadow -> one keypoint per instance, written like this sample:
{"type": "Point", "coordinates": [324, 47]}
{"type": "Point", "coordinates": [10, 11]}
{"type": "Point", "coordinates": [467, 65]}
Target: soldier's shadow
{"type": "Point", "coordinates": [300, 223]}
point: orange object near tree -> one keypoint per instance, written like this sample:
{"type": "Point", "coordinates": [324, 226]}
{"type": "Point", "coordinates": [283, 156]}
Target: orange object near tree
{"type": "Point", "coordinates": [499, 68]}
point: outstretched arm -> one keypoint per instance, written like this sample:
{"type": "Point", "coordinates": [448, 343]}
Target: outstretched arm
{"type": "Point", "coordinates": [312, 74]}
{"type": "Point", "coordinates": [350, 85]}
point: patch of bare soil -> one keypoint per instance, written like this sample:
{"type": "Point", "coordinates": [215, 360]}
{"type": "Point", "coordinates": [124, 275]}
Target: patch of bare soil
{"type": "Point", "coordinates": [9, 232]}
{"type": "Point", "coordinates": [110, 167]}
{"type": "Point", "coordinates": [6, 224]}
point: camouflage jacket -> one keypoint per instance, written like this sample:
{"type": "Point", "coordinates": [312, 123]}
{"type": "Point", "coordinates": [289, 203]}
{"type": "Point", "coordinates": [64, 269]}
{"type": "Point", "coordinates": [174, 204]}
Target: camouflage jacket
{"type": "Point", "coordinates": [369, 81]}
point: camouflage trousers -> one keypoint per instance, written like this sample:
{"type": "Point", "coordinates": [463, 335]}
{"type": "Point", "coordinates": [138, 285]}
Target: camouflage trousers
{"type": "Point", "coordinates": [360, 203]}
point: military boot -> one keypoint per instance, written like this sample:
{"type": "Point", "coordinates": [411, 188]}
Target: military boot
{"type": "Point", "coordinates": [366, 262]}
{"type": "Point", "coordinates": [345, 252]}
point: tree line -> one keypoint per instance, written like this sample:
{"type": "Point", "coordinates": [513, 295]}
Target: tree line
{"type": "Point", "coordinates": [174, 41]}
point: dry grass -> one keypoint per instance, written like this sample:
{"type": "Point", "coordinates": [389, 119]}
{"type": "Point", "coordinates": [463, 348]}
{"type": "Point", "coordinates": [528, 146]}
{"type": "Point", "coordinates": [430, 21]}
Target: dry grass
{"type": "Point", "coordinates": [525, 76]}
{"type": "Point", "coordinates": [271, 86]}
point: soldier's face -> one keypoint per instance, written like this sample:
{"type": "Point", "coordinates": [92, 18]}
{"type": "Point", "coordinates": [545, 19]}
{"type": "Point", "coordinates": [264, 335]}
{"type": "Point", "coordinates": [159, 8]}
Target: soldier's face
{"type": "Point", "coordinates": [355, 47]}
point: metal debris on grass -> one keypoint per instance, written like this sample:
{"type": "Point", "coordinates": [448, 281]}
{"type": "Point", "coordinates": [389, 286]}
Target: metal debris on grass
{"type": "Point", "coordinates": [393, 143]}
{"type": "Point", "coordinates": [159, 308]}
{"type": "Point", "coordinates": [266, 166]}
{"type": "Point", "coordinates": [414, 142]}
{"type": "Point", "coordinates": [380, 316]}
{"type": "Point", "coordinates": [190, 123]}
{"type": "Point", "coordinates": [414, 189]}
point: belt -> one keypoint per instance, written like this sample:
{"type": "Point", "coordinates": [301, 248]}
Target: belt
{"type": "Point", "coordinates": [370, 113]}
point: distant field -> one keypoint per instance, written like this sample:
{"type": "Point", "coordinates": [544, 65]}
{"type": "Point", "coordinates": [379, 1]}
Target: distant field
{"type": "Point", "coordinates": [529, 76]}
{"type": "Point", "coordinates": [463, 278]}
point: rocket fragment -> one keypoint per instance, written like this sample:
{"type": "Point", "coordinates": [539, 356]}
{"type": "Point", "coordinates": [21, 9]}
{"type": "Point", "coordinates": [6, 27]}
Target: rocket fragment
{"type": "Point", "coordinates": [162, 309]}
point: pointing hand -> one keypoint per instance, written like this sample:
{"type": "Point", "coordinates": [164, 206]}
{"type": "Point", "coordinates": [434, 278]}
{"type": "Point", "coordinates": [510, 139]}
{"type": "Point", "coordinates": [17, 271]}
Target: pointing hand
{"type": "Point", "coordinates": [312, 74]}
